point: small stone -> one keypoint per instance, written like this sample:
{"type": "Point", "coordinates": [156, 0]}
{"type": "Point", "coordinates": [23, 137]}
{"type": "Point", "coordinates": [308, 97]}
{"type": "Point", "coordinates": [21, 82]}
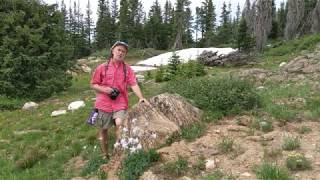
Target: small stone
{"type": "Point", "coordinates": [246, 174]}
{"type": "Point", "coordinates": [58, 113]}
{"type": "Point", "coordinates": [282, 64]}
{"type": "Point", "coordinates": [76, 105]}
{"type": "Point", "coordinates": [30, 106]}
{"type": "Point", "coordinates": [210, 164]}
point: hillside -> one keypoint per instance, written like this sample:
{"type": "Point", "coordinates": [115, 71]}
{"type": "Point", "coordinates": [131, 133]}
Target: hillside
{"type": "Point", "coordinates": [34, 145]}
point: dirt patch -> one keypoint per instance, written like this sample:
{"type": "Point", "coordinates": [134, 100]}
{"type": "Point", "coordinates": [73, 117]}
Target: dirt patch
{"type": "Point", "coordinates": [75, 164]}
{"type": "Point", "coordinates": [249, 149]}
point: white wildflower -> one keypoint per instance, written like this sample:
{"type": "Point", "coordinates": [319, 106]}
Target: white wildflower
{"type": "Point", "coordinates": [125, 129]}
{"type": "Point", "coordinates": [154, 135]}
{"type": "Point", "coordinates": [84, 147]}
{"type": "Point", "coordinates": [131, 141]}
{"type": "Point", "coordinates": [124, 146]}
{"type": "Point", "coordinates": [132, 149]}
{"type": "Point", "coordinates": [134, 120]}
{"type": "Point", "coordinates": [136, 140]}
{"type": "Point", "coordinates": [116, 145]}
{"type": "Point", "coordinates": [139, 146]}
{"type": "Point", "coordinates": [135, 131]}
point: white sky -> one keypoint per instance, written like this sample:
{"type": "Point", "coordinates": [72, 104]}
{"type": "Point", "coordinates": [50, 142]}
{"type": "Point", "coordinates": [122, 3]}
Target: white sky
{"type": "Point", "coordinates": [148, 3]}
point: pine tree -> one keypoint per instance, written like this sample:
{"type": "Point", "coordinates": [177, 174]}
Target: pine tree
{"type": "Point", "coordinates": [104, 28]}
{"type": "Point", "coordinates": [209, 19]}
{"type": "Point", "coordinates": [65, 15]}
{"type": "Point", "coordinates": [224, 31]}
{"type": "Point", "coordinates": [244, 40]}
{"type": "Point", "coordinates": [281, 18]}
{"type": "Point", "coordinates": [88, 24]}
{"type": "Point", "coordinates": [274, 27]}
{"type": "Point", "coordinates": [172, 68]}
{"type": "Point", "coordinates": [154, 27]}
{"type": "Point", "coordinates": [34, 55]}
{"type": "Point", "coordinates": [124, 28]}
{"type": "Point", "coordinates": [180, 26]}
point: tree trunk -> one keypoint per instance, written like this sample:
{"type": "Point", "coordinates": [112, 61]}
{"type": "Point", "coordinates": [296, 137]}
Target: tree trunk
{"type": "Point", "coordinates": [263, 22]}
{"type": "Point", "coordinates": [294, 17]}
{"type": "Point", "coordinates": [316, 19]}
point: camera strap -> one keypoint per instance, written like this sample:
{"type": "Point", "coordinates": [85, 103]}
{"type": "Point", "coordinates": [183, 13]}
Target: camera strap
{"type": "Point", "coordinates": [124, 67]}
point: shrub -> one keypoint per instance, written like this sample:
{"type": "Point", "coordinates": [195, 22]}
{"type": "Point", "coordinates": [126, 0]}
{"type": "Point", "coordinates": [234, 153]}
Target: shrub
{"type": "Point", "coordinates": [290, 143]}
{"type": "Point", "coordinates": [177, 168]}
{"type": "Point", "coordinates": [226, 145]}
{"type": "Point", "coordinates": [304, 129]}
{"type": "Point", "coordinates": [190, 69]}
{"type": "Point", "coordinates": [93, 164]}
{"type": "Point", "coordinates": [262, 125]}
{"type": "Point", "coordinates": [135, 163]}
{"type": "Point", "coordinates": [10, 104]}
{"type": "Point", "coordinates": [199, 166]}
{"type": "Point", "coordinates": [216, 175]}
{"type": "Point", "coordinates": [267, 171]}
{"type": "Point", "coordinates": [31, 157]}
{"type": "Point", "coordinates": [34, 51]}
{"type": "Point", "coordinates": [225, 95]}
{"type": "Point", "coordinates": [193, 131]}
{"type": "Point", "coordinates": [297, 161]}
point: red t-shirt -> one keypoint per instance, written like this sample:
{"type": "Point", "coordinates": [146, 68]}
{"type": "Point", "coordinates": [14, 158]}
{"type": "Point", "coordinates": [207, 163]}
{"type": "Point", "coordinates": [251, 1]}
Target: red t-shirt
{"type": "Point", "coordinates": [113, 77]}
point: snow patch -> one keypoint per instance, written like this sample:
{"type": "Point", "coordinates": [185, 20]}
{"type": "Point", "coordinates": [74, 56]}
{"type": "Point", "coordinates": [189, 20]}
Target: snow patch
{"type": "Point", "coordinates": [185, 55]}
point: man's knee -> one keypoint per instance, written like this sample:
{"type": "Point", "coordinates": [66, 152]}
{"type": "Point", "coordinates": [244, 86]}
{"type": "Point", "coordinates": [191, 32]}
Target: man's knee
{"type": "Point", "coordinates": [118, 121]}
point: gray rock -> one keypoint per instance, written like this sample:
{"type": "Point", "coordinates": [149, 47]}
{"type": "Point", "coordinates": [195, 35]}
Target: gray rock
{"type": "Point", "coordinates": [30, 106]}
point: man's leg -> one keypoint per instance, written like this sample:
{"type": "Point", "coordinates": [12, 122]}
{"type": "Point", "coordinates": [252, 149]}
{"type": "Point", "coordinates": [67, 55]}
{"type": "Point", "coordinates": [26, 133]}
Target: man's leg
{"type": "Point", "coordinates": [103, 133]}
{"type": "Point", "coordinates": [118, 122]}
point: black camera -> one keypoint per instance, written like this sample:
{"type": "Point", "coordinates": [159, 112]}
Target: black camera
{"type": "Point", "coordinates": [114, 93]}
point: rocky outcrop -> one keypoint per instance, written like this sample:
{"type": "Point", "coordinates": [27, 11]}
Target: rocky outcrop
{"type": "Point", "coordinates": [210, 58]}
{"type": "Point", "coordinates": [153, 123]}
{"type": "Point", "coordinates": [148, 125]}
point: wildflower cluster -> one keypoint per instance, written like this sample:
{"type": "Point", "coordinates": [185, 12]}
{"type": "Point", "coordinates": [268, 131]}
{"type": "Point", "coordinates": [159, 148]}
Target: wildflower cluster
{"type": "Point", "coordinates": [133, 139]}
{"type": "Point", "coordinates": [297, 161]}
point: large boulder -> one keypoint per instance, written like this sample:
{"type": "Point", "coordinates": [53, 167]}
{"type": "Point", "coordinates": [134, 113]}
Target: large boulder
{"type": "Point", "coordinates": [151, 124]}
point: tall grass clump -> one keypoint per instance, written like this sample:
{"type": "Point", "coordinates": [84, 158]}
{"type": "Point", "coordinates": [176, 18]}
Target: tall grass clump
{"type": "Point", "coordinates": [135, 164]}
{"type": "Point", "coordinates": [268, 171]}
{"type": "Point", "coordinates": [226, 95]}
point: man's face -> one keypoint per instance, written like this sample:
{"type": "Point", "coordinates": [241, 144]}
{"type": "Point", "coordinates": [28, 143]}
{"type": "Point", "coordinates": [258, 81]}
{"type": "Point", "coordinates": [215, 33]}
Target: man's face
{"type": "Point", "coordinates": [119, 53]}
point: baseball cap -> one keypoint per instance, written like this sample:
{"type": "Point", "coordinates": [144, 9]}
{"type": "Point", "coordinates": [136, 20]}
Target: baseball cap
{"type": "Point", "coordinates": [120, 43]}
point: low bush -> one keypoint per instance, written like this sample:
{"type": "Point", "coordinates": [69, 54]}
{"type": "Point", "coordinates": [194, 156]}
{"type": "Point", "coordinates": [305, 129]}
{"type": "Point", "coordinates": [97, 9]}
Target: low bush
{"type": "Point", "coordinates": [297, 161]}
{"type": "Point", "coordinates": [267, 171]}
{"type": "Point", "coordinates": [290, 143]}
{"type": "Point", "coordinates": [178, 167]}
{"type": "Point", "coordinates": [226, 95]}
{"type": "Point", "coordinates": [135, 164]}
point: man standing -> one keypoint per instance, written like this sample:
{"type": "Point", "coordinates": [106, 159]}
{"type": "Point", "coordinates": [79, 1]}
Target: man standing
{"type": "Point", "coordinates": [110, 81]}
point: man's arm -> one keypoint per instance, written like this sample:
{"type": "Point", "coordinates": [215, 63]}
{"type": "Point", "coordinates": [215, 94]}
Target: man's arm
{"type": "Point", "coordinates": [137, 92]}
{"type": "Point", "coordinates": [102, 89]}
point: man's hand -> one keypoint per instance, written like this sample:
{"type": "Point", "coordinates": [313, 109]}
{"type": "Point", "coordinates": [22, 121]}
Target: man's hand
{"type": "Point", "coordinates": [108, 90]}
{"type": "Point", "coordinates": [143, 100]}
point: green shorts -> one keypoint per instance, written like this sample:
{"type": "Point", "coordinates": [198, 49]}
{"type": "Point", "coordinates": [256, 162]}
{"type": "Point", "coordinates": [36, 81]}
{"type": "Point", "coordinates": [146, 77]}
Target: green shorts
{"type": "Point", "coordinates": [107, 119]}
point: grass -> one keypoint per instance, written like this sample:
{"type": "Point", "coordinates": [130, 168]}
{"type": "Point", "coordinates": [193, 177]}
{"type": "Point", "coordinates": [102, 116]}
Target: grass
{"type": "Point", "coordinates": [268, 171]}
{"type": "Point", "coordinates": [226, 145]}
{"type": "Point", "coordinates": [270, 58]}
{"type": "Point", "coordinates": [290, 143]}
{"type": "Point", "coordinates": [178, 167]}
{"type": "Point", "coordinates": [42, 154]}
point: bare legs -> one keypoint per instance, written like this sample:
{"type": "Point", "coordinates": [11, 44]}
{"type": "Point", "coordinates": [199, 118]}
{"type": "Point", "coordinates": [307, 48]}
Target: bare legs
{"type": "Point", "coordinates": [103, 136]}
{"type": "Point", "coordinates": [118, 122]}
